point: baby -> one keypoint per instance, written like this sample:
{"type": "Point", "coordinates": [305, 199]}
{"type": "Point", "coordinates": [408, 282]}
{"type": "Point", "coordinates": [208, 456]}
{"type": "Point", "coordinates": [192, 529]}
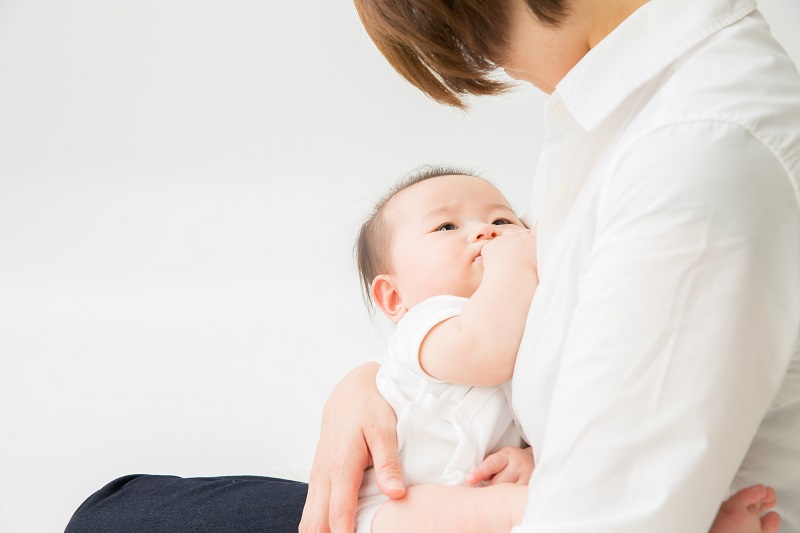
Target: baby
{"type": "Point", "coordinates": [444, 257]}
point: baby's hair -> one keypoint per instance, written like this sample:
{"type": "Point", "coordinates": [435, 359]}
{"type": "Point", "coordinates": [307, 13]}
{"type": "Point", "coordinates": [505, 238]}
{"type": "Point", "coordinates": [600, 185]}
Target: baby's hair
{"type": "Point", "coordinates": [374, 238]}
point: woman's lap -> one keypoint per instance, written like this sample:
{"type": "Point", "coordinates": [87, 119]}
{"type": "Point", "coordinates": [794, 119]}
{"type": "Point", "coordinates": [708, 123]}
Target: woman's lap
{"type": "Point", "coordinates": [230, 504]}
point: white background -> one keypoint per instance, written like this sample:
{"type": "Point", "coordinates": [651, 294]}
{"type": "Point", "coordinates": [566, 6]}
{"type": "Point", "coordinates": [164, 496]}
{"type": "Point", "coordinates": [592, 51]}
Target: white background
{"type": "Point", "coordinates": [180, 185]}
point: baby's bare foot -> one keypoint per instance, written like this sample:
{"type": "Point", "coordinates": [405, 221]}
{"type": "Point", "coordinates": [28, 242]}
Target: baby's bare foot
{"type": "Point", "coordinates": [742, 512]}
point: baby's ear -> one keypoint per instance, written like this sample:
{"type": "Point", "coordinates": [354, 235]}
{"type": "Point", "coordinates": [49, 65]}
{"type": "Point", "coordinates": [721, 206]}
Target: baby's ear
{"type": "Point", "coordinates": [387, 298]}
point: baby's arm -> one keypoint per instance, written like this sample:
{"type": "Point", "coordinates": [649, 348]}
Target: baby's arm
{"type": "Point", "coordinates": [479, 346]}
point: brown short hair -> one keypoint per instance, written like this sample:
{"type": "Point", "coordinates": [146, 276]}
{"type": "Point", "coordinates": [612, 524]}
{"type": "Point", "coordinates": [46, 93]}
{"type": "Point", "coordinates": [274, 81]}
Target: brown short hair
{"type": "Point", "coordinates": [448, 48]}
{"type": "Point", "coordinates": [374, 238]}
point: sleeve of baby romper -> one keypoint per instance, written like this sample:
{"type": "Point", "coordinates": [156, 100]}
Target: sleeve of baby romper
{"type": "Point", "coordinates": [418, 322]}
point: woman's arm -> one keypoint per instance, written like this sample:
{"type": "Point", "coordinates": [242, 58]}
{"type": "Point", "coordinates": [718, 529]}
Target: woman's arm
{"type": "Point", "coordinates": [686, 315]}
{"type": "Point", "coordinates": [358, 430]}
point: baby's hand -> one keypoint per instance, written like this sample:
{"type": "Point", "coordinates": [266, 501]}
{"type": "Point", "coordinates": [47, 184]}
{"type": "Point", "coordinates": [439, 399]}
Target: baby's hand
{"type": "Point", "coordinates": [507, 465]}
{"type": "Point", "coordinates": [515, 246]}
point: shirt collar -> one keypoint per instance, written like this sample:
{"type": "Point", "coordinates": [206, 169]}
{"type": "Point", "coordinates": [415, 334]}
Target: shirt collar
{"type": "Point", "coordinates": [642, 46]}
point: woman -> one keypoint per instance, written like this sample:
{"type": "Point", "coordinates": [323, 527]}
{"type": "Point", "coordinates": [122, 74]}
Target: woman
{"type": "Point", "coordinates": [660, 361]}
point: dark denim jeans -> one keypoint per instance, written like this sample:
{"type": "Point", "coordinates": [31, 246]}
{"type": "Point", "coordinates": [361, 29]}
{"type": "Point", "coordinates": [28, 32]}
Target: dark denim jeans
{"type": "Point", "coordinates": [156, 504]}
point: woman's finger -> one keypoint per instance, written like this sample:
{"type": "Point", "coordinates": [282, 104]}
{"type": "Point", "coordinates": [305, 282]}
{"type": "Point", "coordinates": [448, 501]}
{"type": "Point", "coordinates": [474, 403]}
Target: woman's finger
{"type": "Point", "coordinates": [343, 499]}
{"type": "Point", "coordinates": [315, 511]}
{"type": "Point", "coordinates": [382, 443]}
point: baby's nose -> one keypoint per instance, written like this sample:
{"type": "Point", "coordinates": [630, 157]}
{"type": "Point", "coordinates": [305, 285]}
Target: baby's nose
{"type": "Point", "coordinates": [484, 231]}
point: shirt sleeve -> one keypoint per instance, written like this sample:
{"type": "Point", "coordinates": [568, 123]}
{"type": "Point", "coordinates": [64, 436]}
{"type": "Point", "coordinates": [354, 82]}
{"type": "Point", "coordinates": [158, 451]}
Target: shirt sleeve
{"type": "Point", "coordinates": [684, 328]}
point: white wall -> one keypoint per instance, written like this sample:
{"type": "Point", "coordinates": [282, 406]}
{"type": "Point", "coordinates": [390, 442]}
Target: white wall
{"type": "Point", "coordinates": [180, 186]}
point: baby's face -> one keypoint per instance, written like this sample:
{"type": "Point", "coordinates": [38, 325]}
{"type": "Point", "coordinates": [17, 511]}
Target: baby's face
{"type": "Point", "coordinates": [439, 227]}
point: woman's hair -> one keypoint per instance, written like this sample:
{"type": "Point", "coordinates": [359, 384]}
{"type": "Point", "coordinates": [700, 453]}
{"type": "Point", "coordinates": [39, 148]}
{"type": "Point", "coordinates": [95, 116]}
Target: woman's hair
{"type": "Point", "coordinates": [375, 236]}
{"type": "Point", "coordinates": [448, 48]}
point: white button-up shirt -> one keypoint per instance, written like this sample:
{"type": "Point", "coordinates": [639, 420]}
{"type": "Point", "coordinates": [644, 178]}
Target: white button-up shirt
{"type": "Point", "coordinates": [660, 366]}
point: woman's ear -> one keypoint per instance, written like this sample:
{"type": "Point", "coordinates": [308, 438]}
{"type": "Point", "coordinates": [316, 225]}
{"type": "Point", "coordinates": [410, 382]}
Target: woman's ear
{"type": "Point", "coordinates": [387, 298]}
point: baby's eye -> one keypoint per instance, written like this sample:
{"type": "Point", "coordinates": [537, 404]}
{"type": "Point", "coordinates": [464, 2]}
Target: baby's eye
{"type": "Point", "coordinates": [447, 227]}
{"type": "Point", "coordinates": [501, 222]}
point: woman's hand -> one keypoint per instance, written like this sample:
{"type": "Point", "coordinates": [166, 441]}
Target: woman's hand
{"type": "Point", "coordinates": [358, 430]}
